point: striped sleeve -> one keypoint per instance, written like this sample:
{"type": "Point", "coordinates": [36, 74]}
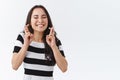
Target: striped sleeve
{"type": "Point", "coordinates": [18, 43]}
{"type": "Point", "coordinates": [60, 47]}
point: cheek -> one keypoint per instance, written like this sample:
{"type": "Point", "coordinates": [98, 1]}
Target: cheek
{"type": "Point", "coordinates": [32, 22]}
{"type": "Point", "coordinates": [47, 22]}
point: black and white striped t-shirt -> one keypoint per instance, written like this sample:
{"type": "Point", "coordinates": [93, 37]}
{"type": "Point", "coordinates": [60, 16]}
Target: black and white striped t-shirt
{"type": "Point", "coordinates": [35, 64]}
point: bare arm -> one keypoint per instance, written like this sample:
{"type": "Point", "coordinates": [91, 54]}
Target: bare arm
{"type": "Point", "coordinates": [60, 60]}
{"type": "Point", "coordinates": [18, 58]}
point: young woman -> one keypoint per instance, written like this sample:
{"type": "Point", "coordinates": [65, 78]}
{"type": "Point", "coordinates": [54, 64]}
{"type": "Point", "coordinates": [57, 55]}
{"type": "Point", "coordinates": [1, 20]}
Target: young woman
{"type": "Point", "coordinates": [38, 47]}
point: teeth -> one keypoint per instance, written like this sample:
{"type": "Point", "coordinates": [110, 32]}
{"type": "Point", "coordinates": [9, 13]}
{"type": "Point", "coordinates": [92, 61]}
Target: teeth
{"type": "Point", "coordinates": [40, 25]}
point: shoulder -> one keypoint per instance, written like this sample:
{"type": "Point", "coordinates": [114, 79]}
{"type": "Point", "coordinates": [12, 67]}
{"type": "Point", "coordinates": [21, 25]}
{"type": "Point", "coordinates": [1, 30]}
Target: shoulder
{"type": "Point", "coordinates": [58, 40]}
{"type": "Point", "coordinates": [59, 44]}
{"type": "Point", "coordinates": [20, 36]}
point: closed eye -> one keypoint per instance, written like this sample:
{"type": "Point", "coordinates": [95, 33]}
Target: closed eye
{"type": "Point", "coordinates": [35, 16]}
{"type": "Point", "coordinates": [44, 16]}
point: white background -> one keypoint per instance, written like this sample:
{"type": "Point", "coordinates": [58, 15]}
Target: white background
{"type": "Point", "coordinates": [88, 29]}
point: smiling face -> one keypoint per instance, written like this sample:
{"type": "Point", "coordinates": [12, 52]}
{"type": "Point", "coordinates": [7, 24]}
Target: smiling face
{"type": "Point", "coordinates": [39, 20]}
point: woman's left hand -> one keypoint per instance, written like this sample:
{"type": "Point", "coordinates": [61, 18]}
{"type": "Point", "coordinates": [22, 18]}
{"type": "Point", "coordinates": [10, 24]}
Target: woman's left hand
{"type": "Point", "coordinates": [50, 39]}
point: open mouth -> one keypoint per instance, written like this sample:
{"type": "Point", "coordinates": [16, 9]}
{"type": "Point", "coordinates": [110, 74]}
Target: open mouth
{"type": "Point", "coordinates": [40, 25]}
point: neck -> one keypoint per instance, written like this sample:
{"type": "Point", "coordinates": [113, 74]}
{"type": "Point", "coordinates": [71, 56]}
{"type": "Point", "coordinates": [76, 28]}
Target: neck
{"type": "Point", "coordinates": [38, 37]}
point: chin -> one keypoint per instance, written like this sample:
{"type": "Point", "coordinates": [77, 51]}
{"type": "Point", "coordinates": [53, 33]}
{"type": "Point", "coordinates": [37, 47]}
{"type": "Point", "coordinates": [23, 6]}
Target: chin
{"type": "Point", "coordinates": [40, 30]}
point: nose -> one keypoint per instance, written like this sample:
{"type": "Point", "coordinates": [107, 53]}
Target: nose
{"type": "Point", "coordinates": [40, 20]}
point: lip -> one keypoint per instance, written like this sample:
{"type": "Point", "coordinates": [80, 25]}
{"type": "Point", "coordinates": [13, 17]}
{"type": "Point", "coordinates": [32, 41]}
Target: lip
{"type": "Point", "coordinates": [40, 25]}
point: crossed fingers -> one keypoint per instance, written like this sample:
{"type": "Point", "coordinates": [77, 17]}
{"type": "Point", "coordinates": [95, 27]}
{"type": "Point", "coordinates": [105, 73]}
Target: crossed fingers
{"type": "Point", "coordinates": [51, 31]}
{"type": "Point", "coordinates": [26, 29]}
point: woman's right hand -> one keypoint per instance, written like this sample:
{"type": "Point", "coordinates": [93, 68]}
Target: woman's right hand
{"type": "Point", "coordinates": [28, 36]}
{"type": "Point", "coordinates": [18, 57]}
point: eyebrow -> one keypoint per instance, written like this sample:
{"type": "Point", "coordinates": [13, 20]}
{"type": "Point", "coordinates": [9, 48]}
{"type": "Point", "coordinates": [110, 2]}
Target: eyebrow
{"type": "Point", "coordinates": [42, 15]}
{"type": "Point", "coordinates": [35, 15]}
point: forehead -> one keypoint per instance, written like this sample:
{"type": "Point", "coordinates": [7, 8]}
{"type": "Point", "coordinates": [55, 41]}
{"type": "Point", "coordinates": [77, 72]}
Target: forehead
{"type": "Point", "coordinates": [38, 11]}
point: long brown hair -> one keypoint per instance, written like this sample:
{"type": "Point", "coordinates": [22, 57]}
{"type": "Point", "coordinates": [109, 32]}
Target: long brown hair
{"type": "Point", "coordinates": [48, 51]}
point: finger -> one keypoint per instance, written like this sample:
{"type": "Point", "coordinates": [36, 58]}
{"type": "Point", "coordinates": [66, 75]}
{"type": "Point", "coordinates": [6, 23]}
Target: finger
{"type": "Point", "coordinates": [51, 31]}
{"type": "Point", "coordinates": [26, 28]}
{"type": "Point", "coordinates": [47, 37]}
{"type": "Point", "coordinates": [31, 35]}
